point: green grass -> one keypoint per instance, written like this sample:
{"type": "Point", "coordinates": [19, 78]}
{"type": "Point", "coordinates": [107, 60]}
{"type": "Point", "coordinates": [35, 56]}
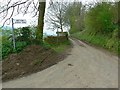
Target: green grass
{"type": "Point", "coordinates": [103, 41]}
{"type": "Point", "coordinates": [61, 47]}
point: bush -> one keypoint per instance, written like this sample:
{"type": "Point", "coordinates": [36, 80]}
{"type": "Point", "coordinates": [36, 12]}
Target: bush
{"type": "Point", "coordinates": [7, 48]}
{"type": "Point", "coordinates": [6, 51]}
{"type": "Point", "coordinates": [23, 34]}
{"type": "Point", "coordinates": [20, 46]}
{"type": "Point", "coordinates": [101, 18]}
{"type": "Point", "coordinates": [23, 37]}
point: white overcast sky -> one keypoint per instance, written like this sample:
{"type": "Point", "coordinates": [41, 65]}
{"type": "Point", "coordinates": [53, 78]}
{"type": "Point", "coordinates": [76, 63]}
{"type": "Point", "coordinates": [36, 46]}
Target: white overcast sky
{"type": "Point", "coordinates": [31, 20]}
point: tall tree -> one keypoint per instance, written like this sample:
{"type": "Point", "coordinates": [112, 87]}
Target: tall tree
{"type": "Point", "coordinates": [56, 15]}
{"type": "Point", "coordinates": [75, 16]}
{"type": "Point", "coordinates": [39, 32]}
{"type": "Point", "coordinates": [101, 18]}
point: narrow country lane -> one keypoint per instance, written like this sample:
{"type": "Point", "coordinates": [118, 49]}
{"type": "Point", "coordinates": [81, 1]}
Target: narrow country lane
{"type": "Point", "coordinates": [85, 67]}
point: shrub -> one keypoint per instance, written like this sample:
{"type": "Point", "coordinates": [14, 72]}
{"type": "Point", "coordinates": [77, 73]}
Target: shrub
{"type": "Point", "coordinates": [20, 45]}
{"type": "Point", "coordinates": [23, 34]}
{"type": "Point", "coordinates": [23, 37]}
{"type": "Point", "coordinates": [6, 46]}
{"type": "Point", "coordinates": [101, 18]}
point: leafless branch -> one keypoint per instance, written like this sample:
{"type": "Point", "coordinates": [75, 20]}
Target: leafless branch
{"type": "Point", "coordinates": [14, 5]}
{"type": "Point", "coordinates": [19, 7]}
{"type": "Point", "coordinates": [26, 8]}
{"type": "Point", "coordinates": [9, 17]}
{"type": "Point", "coordinates": [35, 5]}
{"type": "Point", "coordinates": [55, 15]}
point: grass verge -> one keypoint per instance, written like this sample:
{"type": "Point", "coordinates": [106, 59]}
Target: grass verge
{"type": "Point", "coordinates": [103, 41]}
{"type": "Point", "coordinates": [61, 47]}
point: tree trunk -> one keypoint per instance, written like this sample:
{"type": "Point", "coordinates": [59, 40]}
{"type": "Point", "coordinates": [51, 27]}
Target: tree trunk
{"type": "Point", "coordinates": [39, 31]}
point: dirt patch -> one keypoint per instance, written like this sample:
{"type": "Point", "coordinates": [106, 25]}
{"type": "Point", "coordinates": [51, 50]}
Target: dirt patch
{"type": "Point", "coordinates": [70, 65]}
{"type": "Point", "coordinates": [32, 59]}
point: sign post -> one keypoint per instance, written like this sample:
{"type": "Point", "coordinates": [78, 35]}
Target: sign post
{"type": "Point", "coordinates": [20, 21]}
{"type": "Point", "coordinates": [13, 35]}
{"type": "Point", "coordinates": [16, 21]}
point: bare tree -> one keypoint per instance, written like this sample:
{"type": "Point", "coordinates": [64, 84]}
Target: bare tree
{"type": "Point", "coordinates": [56, 15]}
{"type": "Point", "coordinates": [24, 6]}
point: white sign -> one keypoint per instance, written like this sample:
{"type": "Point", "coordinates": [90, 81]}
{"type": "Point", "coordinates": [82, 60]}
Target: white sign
{"type": "Point", "coordinates": [20, 21]}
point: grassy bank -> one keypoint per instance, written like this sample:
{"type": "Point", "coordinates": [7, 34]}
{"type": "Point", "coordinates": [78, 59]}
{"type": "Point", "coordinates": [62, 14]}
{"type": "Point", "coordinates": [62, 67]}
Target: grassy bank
{"type": "Point", "coordinates": [61, 47]}
{"type": "Point", "coordinates": [32, 58]}
{"type": "Point", "coordinates": [103, 41]}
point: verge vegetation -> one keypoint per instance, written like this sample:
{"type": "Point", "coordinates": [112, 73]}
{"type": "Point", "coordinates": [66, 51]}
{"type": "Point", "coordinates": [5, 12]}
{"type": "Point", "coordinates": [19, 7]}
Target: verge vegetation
{"type": "Point", "coordinates": [96, 24]}
{"type": "Point", "coordinates": [30, 56]}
